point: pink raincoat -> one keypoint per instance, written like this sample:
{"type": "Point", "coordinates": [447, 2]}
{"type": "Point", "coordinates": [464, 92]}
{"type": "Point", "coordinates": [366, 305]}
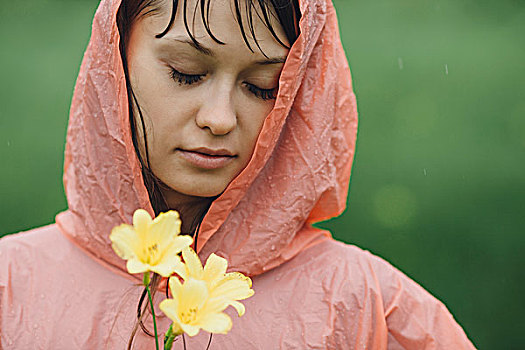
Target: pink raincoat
{"type": "Point", "coordinates": [63, 287]}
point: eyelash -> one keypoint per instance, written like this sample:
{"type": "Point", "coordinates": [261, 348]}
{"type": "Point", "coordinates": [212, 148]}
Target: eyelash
{"type": "Point", "coordinates": [263, 94]}
{"type": "Point", "coordinates": [188, 79]}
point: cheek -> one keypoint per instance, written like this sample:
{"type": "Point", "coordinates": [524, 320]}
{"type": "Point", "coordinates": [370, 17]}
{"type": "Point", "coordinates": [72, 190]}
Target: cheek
{"type": "Point", "coordinates": [252, 122]}
{"type": "Point", "coordinates": [164, 113]}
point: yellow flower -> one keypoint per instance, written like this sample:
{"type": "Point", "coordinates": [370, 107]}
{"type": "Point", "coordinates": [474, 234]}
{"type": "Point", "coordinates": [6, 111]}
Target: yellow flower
{"type": "Point", "coordinates": [151, 245]}
{"type": "Point", "coordinates": [192, 309]}
{"type": "Point", "coordinates": [233, 285]}
{"type": "Point", "coordinates": [199, 301]}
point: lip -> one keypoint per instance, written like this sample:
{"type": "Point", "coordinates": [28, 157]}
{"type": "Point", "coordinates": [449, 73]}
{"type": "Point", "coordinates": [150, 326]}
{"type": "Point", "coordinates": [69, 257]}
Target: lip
{"type": "Point", "coordinates": [211, 152]}
{"type": "Point", "coordinates": [206, 158]}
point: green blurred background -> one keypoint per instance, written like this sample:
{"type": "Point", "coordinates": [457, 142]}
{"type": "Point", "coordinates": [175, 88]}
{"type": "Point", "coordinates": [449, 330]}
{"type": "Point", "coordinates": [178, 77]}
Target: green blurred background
{"type": "Point", "coordinates": [438, 186]}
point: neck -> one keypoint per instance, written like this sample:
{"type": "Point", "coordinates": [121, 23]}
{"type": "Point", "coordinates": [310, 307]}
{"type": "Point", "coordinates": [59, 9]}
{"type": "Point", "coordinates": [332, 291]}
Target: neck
{"type": "Point", "coordinates": [190, 208]}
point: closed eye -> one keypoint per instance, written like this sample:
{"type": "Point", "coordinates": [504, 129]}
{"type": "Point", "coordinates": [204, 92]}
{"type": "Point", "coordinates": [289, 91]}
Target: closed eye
{"type": "Point", "coordinates": [263, 94]}
{"type": "Point", "coordinates": [186, 79]}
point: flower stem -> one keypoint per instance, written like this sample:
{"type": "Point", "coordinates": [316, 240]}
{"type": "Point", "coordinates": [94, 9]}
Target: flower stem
{"type": "Point", "coordinates": [169, 337]}
{"type": "Point", "coordinates": [146, 283]}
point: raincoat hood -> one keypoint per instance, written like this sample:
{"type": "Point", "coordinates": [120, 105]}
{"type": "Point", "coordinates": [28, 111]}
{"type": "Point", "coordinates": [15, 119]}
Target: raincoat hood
{"type": "Point", "coordinates": [298, 174]}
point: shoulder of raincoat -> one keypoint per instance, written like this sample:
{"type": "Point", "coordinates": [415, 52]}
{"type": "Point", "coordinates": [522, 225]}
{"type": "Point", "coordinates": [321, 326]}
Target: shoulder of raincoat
{"type": "Point", "coordinates": [63, 287]}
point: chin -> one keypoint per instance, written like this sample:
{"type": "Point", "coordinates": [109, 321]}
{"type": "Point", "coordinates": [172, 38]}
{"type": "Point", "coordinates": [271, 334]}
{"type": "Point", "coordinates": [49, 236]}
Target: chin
{"type": "Point", "coordinates": [199, 188]}
{"type": "Point", "coordinates": [203, 192]}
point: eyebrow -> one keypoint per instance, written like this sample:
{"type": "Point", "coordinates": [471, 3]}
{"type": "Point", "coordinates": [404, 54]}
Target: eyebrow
{"type": "Point", "coordinates": [206, 51]}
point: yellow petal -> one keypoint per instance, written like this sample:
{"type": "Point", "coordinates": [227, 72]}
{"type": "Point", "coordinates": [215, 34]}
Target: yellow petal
{"type": "Point", "coordinates": [180, 243]}
{"type": "Point", "coordinates": [179, 268]}
{"type": "Point", "coordinates": [193, 294]}
{"type": "Point", "coordinates": [215, 268]}
{"type": "Point", "coordinates": [168, 254]}
{"type": "Point", "coordinates": [214, 305]}
{"type": "Point", "coordinates": [176, 246]}
{"type": "Point", "coordinates": [124, 241]}
{"type": "Point", "coordinates": [239, 307]}
{"type": "Point", "coordinates": [141, 222]}
{"type": "Point", "coordinates": [168, 265]}
{"type": "Point", "coordinates": [239, 276]}
{"type": "Point", "coordinates": [193, 263]}
{"type": "Point", "coordinates": [136, 266]}
{"type": "Point", "coordinates": [165, 227]}
{"type": "Point", "coordinates": [175, 287]}
{"type": "Point", "coordinates": [216, 323]}
{"type": "Point", "coordinates": [190, 329]}
{"type": "Point", "coordinates": [170, 309]}
{"type": "Point", "coordinates": [233, 289]}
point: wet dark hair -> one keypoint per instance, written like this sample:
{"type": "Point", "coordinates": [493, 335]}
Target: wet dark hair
{"type": "Point", "coordinates": [287, 13]}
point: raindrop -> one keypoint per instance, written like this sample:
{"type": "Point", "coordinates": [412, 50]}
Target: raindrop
{"type": "Point", "coordinates": [446, 69]}
{"type": "Point", "coordinates": [400, 63]}
{"type": "Point", "coordinates": [272, 247]}
{"type": "Point", "coordinates": [8, 143]}
{"type": "Point", "coordinates": [35, 326]}
{"type": "Point", "coordinates": [425, 171]}
{"type": "Point", "coordinates": [42, 296]}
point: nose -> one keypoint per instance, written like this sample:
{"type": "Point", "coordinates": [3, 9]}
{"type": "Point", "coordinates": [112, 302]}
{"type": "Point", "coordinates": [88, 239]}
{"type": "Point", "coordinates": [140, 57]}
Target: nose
{"type": "Point", "coordinates": [217, 112]}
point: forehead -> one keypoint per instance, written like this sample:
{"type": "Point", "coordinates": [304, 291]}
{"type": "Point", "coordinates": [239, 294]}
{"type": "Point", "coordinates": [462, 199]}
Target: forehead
{"type": "Point", "coordinates": [236, 23]}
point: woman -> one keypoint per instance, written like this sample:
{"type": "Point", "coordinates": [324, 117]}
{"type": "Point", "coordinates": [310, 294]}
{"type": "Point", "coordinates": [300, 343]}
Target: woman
{"type": "Point", "coordinates": [208, 110]}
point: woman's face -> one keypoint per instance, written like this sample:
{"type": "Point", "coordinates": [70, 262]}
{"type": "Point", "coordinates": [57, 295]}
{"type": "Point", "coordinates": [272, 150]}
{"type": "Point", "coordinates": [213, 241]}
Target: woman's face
{"type": "Point", "coordinates": [203, 108]}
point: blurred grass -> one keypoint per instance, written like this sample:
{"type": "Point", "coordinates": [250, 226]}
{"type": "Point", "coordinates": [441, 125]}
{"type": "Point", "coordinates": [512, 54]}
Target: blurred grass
{"type": "Point", "coordinates": [438, 185]}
